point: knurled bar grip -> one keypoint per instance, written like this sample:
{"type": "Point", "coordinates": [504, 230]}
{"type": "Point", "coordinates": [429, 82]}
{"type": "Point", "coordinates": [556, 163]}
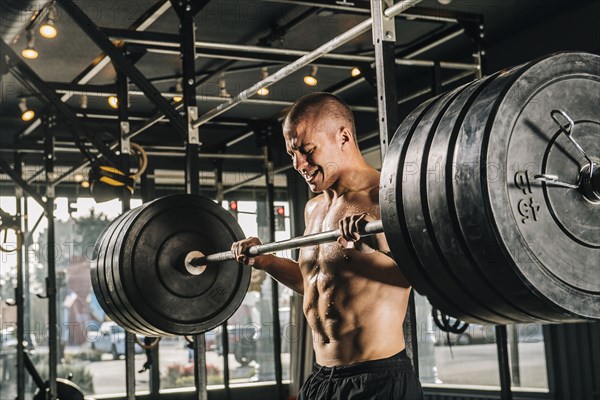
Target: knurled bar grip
{"type": "Point", "coordinates": [370, 228]}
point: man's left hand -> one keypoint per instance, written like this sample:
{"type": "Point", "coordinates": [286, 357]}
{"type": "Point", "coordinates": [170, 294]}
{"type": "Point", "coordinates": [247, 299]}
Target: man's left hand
{"type": "Point", "coordinates": [350, 227]}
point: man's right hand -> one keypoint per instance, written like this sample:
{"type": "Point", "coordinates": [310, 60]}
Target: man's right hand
{"type": "Point", "coordinates": [240, 248]}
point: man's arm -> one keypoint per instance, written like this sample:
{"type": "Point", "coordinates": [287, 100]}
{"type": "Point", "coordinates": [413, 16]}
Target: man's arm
{"type": "Point", "coordinates": [285, 271]}
{"type": "Point", "coordinates": [282, 269]}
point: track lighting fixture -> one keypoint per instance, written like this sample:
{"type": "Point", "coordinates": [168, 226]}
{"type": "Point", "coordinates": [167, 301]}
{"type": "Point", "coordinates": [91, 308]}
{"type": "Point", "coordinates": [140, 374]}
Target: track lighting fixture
{"type": "Point", "coordinates": [113, 102]}
{"type": "Point", "coordinates": [27, 114]}
{"type": "Point", "coordinates": [29, 51]}
{"type": "Point", "coordinates": [48, 28]}
{"type": "Point", "coordinates": [179, 90]}
{"type": "Point", "coordinates": [263, 91]}
{"type": "Point", "coordinates": [311, 79]}
{"type": "Point", "coordinates": [223, 86]}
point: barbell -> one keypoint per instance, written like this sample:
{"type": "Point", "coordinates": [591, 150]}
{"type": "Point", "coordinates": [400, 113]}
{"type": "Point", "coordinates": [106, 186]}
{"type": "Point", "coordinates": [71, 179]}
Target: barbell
{"type": "Point", "coordinates": [489, 197]}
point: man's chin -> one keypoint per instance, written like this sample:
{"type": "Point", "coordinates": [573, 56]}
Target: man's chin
{"type": "Point", "coordinates": [317, 187]}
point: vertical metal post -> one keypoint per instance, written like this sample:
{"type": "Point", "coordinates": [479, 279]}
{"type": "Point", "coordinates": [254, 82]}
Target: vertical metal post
{"type": "Point", "coordinates": [147, 194]}
{"type": "Point", "coordinates": [23, 254]}
{"type": "Point", "coordinates": [219, 196]}
{"type": "Point", "coordinates": [187, 33]}
{"type": "Point", "coordinates": [436, 79]}
{"type": "Point", "coordinates": [270, 200]}
{"type": "Point", "coordinates": [503, 364]}
{"type": "Point", "coordinates": [515, 369]}
{"type": "Point", "coordinates": [384, 39]}
{"type": "Point", "coordinates": [125, 151]}
{"type": "Point", "coordinates": [19, 294]}
{"type": "Point", "coordinates": [479, 54]}
{"type": "Point", "coordinates": [298, 193]}
{"type": "Point", "coordinates": [26, 278]}
{"type": "Point", "coordinates": [51, 279]}
{"type": "Point", "coordinates": [224, 332]}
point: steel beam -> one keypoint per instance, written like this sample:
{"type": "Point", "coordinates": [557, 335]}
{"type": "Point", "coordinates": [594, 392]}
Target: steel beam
{"type": "Point", "coordinates": [121, 62]}
{"type": "Point", "coordinates": [362, 7]}
{"type": "Point", "coordinates": [4, 165]}
{"type": "Point", "coordinates": [329, 46]}
{"type": "Point", "coordinates": [102, 60]}
{"type": "Point", "coordinates": [169, 44]}
{"type": "Point", "coordinates": [435, 41]}
{"type": "Point", "coordinates": [74, 124]}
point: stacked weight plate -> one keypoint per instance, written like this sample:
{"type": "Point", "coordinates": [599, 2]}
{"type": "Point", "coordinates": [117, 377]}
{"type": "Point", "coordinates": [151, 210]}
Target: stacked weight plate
{"type": "Point", "coordinates": [476, 232]}
{"type": "Point", "coordinates": [138, 272]}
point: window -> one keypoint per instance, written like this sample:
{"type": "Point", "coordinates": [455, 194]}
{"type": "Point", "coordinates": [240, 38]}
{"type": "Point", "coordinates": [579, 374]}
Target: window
{"type": "Point", "coordinates": [471, 359]}
{"type": "Point", "coordinates": [92, 347]}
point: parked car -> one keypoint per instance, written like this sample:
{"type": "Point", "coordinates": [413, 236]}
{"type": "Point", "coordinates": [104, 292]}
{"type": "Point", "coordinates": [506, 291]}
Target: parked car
{"type": "Point", "coordinates": [110, 338]}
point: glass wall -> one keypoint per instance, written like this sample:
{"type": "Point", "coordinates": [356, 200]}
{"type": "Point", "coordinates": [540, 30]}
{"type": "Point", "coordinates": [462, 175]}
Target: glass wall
{"type": "Point", "coordinates": [249, 330]}
{"type": "Point", "coordinates": [92, 347]}
{"type": "Point", "coordinates": [470, 358]}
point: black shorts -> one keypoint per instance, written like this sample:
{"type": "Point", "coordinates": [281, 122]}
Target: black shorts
{"type": "Point", "coordinates": [389, 378]}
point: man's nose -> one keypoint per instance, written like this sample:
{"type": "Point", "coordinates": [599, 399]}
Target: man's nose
{"type": "Point", "coordinates": [300, 163]}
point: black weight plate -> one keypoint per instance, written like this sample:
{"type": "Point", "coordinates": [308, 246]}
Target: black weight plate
{"type": "Point", "coordinates": [117, 310]}
{"type": "Point", "coordinates": [131, 319]}
{"type": "Point", "coordinates": [394, 169]}
{"type": "Point", "coordinates": [98, 267]}
{"type": "Point", "coordinates": [580, 221]}
{"type": "Point", "coordinates": [448, 238]}
{"type": "Point", "coordinates": [474, 220]}
{"type": "Point", "coordinates": [65, 390]}
{"type": "Point", "coordinates": [558, 259]}
{"type": "Point", "coordinates": [98, 272]}
{"type": "Point", "coordinates": [441, 275]}
{"type": "Point", "coordinates": [152, 271]}
{"type": "Point", "coordinates": [97, 264]}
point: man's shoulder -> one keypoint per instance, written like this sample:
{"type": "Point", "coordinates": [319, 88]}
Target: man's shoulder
{"type": "Point", "coordinates": [312, 203]}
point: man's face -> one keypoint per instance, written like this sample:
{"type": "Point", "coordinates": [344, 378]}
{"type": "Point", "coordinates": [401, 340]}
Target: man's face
{"type": "Point", "coordinates": [312, 145]}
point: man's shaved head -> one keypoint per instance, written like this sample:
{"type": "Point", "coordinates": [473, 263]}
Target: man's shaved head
{"type": "Point", "coordinates": [322, 106]}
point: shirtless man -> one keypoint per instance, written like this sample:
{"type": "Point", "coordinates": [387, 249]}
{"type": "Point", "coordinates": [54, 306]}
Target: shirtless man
{"type": "Point", "coordinates": [355, 297]}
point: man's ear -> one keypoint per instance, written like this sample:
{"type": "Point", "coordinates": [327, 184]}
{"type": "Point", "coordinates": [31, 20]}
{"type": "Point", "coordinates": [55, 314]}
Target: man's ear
{"type": "Point", "coordinates": [345, 136]}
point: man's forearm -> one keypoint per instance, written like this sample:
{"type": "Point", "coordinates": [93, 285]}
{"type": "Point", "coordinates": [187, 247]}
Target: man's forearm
{"type": "Point", "coordinates": [285, 271]}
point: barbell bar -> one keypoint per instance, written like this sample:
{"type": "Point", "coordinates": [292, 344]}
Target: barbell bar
{"type": "Point", "coordinates": [489, 203]}
{"type": "Point", "coordinates": [370, 228]}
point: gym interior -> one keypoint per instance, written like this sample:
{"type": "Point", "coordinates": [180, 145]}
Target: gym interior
{"type": "Point", "coordinates": [109, 108]}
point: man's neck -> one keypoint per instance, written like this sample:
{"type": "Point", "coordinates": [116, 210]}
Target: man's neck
{"type": "Point", "coordinates": [350, 180]}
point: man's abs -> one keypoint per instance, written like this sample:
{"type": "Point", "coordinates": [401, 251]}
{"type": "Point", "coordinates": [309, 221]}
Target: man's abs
{"type": "Point", "coordinates": [352, 305]}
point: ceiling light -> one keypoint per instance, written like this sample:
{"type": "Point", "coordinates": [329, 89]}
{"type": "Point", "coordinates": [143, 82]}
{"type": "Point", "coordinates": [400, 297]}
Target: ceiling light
{"type": "Point", "coordinates": [179, 90]}
{"type": "Point", "coordinates": [263, 91]}
{"type": "Point", "coordinates": [311, 79]}
{"type": "Point", "coordinates": [355, 72]}
{"type": "Point", "coordinates": [30, 52]}
{"type": "Point", "coordinates": [78, 177]}
{"type": "Point", "coordinates": [223, 87]}
{"type": "Point", "coordinates": [444, 2]}
{"type": "Point", "coordinates": [113, 101]}
{"type": "Point", "coordinates": [48, 28]}
{"type": "Point", "coordinates": [26, 113]}
{"type": "Point", "coordinates": [85, 184]}
{"type": "Point", "coordinates": [84, 102]}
